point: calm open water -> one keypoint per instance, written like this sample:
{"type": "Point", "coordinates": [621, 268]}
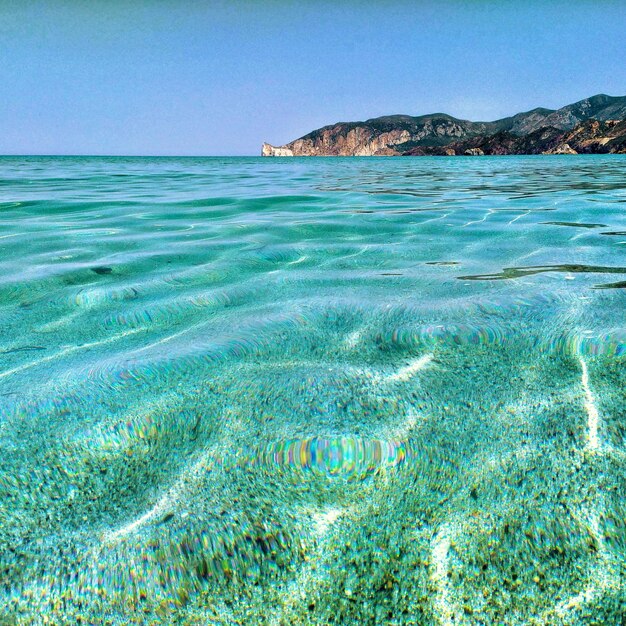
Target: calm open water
{"type": "Point", "coordinates": [312, 391]}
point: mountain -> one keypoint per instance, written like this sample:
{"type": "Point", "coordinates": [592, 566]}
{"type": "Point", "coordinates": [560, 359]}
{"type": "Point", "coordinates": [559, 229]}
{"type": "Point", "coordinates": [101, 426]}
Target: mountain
{"type": "Point", "coordinates": [588, 137]}
{"type": "Point", "coordinates": [591, 125]}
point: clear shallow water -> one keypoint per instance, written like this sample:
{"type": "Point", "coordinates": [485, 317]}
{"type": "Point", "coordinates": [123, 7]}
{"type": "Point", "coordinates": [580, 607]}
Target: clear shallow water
{"type": "Point", "coordinates": [378, 391]}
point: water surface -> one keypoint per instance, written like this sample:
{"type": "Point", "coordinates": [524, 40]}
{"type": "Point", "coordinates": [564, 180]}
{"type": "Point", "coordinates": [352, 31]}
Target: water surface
{"type": "Point", "coordinates": [354, 390]}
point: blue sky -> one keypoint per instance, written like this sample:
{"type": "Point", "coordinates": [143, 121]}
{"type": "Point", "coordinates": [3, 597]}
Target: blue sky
{"type": "Point", "coordinates": [204, 78]}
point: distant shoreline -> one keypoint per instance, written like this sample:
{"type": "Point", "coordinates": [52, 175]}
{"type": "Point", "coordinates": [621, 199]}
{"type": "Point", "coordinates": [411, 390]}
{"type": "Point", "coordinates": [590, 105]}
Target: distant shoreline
{"type": "Point", "coordinates": [596, 125]}
{"type": "Point", "coordinates": [256, 156]}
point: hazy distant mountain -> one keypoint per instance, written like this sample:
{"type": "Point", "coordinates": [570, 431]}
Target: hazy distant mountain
{"type": "Point", "coordinates": [531, 132]}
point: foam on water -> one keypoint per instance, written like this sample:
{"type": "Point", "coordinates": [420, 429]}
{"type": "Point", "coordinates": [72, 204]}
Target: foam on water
{"type": "Point", "coordinates": [384, 391]}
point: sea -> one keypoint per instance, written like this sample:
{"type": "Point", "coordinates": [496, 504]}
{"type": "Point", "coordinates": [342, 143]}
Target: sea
{"type": "Point", "coordinates": [313, 390]}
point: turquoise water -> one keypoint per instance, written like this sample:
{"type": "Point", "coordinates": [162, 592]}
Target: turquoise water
{"type": "Point", "coordinates": [312, 391]}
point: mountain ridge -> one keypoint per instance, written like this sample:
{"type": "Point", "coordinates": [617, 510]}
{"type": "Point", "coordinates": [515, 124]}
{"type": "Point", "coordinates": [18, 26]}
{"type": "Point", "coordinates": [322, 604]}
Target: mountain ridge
{"type": "Point", "coordinates": [444, 134]}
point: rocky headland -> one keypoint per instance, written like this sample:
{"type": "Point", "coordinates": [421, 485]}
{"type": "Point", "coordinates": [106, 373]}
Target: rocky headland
{"type": "Point", "coordinates": [596, 125]}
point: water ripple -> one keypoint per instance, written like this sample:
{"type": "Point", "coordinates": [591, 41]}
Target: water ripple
{"type": "Point", "coordinates": [312, 391]}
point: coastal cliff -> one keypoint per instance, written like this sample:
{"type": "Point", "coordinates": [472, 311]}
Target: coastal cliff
{"type": "Point", "coordinates": [593, 125]}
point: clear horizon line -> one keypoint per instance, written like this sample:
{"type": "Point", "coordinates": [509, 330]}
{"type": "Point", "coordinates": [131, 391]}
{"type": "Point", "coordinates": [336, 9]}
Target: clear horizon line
{"type": "Point", "coordinates": [259, 156]}
{"type": "Point", "coordinates": [120, 155]}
